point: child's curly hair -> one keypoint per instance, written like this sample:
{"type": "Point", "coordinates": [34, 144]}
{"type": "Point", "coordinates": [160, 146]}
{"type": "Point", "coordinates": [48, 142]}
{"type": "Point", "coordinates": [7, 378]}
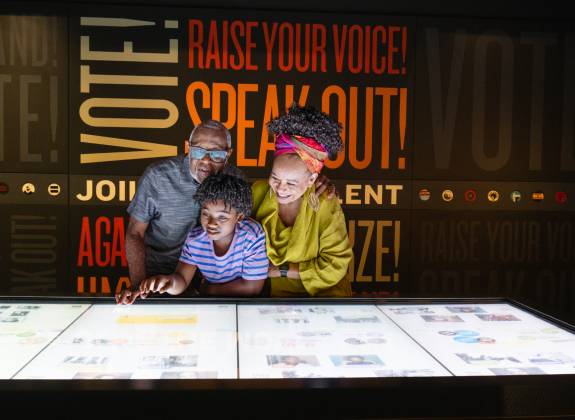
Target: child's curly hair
{"type": "Point", "coordinates": [233, 191]}
{"type": "Point", "coordinates": [312, 123]}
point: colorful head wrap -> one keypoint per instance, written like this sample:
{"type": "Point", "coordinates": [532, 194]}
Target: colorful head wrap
{"type": "Point", "coordinates": [310, 151]}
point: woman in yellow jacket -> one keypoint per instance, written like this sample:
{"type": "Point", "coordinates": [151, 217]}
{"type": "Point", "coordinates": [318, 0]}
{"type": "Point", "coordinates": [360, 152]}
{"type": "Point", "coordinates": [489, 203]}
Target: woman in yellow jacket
{"type": "Point", "coordinates": [306, 236]}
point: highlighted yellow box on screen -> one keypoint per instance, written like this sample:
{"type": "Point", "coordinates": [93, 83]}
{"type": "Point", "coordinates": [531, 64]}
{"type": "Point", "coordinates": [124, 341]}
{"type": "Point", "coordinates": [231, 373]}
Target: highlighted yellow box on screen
{"type": "Point", "coordinates": [157, 319]}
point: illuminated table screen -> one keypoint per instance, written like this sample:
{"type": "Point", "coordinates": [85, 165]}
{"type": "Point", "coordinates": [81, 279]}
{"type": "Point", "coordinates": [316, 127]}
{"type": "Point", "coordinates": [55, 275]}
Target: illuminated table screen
{"type": "Point", "coordinates": [487, 339]}
{"type": "Point", "coordinates": [143, 342]}
{"type": "Point", "coordinates": [26, 329]}
{"type": "Point", "coordinates": [313, 341]}
{"type": "Point", "coordinates": [285, 340]}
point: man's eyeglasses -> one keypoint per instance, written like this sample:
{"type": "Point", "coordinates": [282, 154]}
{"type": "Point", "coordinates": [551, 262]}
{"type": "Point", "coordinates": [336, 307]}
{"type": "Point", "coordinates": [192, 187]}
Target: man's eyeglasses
{"type": "Point", "coordinates": [216, 156]}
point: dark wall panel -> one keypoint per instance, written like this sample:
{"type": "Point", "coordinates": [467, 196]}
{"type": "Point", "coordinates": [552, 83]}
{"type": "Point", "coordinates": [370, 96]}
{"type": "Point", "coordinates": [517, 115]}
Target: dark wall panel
{"type": "Point", "coordinates": [495, 100]}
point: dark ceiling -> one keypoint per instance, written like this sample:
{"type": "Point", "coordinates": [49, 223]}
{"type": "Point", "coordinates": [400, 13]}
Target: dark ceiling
{"type": "Point", "coordinates": [505, 9]}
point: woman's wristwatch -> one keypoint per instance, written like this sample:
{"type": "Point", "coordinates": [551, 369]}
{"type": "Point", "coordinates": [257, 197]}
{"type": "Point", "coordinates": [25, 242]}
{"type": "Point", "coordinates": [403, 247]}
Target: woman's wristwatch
{"type": "Point", "coordinates": [284, 268]}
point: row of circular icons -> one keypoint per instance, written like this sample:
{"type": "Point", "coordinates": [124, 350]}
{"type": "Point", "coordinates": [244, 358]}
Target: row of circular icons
{"type": "Point", "coordinates": [29, 189]}
{"type": "Point", "coordinates": [493, 196]}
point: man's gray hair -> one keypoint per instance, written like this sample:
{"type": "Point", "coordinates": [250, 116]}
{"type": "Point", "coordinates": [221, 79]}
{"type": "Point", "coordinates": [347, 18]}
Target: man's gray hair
{"type": "Point", "coordinates": [214, 125]}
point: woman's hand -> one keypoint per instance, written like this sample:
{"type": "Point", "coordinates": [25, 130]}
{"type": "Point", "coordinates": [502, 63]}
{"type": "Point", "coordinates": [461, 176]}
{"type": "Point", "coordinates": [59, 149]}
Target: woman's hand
{"type": "Point", "coordinates": [160, 284]}
{"type": "Point", "coordinates": [273, 271]}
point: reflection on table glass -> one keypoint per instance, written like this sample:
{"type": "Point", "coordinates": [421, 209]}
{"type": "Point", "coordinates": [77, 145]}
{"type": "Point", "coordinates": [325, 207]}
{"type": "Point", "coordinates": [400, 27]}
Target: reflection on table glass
{"type": "Point", "coordinates": [487, 339]}
{"type": "Point", "coordinates": [27, 328]}
{"type": "Point", "coordinates": [314, 341]}
{"type": "Point", "coordinates": [143, 342]}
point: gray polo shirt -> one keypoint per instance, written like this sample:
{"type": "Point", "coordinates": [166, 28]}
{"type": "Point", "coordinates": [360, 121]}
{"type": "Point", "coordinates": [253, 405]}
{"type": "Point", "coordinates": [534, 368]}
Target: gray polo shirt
{"type": "Point", "coordinates": [164, 200]}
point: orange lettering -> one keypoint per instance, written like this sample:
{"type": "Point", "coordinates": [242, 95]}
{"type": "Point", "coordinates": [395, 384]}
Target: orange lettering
{"type": "Point", "coordinates": [341, 117]}
{"type": "Point", "coordinates": [387, 93]}
{"type": "Point", "coordinates": [190, 100]}
{"type": "Point", "coordinates": [217, 89]}
{"type": "Point", "coordinates": [243, 124]}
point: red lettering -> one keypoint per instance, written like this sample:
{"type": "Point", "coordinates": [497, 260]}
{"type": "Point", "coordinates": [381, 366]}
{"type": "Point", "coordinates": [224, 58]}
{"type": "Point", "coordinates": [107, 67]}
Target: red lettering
{"type": "Point", "coordinates": [290, 46]}
{"type": "Point", "coordinates": [99, 242]}
{"type": "Point", "coordinates": [249, 46]}
{"type": "Point", "coordinates": [269, 43]}
{"type": "Point", "coordinates": [85, 242]}
{"type": "Point", "coordinates": [237, 45]}
{"type": "Point", "coordinates": [225, 46]}
{"type": "Point", "coordinates": [352, 30]}
{"type": "Point", "coordinates": [119, 235]}
{"type": "Point", "coordinates": [377, 70]}
{"type": "Point", "coordinates": [318, 48]}
{"type": "Point", "coordinates": [391, 50]}
{"type": "Point", "coordinates": [213, 46]}
{"type": "Point", "coordinates": [367, 45]}
{"type": "Point", "coordinates": [196, 44]}
{"type": "Point", "coordinates": [298, 50]}
{"type": "Point", "coordinates": [339, 46]}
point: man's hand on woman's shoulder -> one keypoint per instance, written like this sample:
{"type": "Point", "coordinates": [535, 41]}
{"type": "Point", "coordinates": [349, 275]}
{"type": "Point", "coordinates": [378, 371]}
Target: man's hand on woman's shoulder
{"type": "Point", "coordinates": [322, 183]}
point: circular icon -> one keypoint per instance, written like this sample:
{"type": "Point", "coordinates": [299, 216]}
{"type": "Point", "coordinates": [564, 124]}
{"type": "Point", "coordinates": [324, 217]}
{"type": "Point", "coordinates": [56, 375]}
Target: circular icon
{"type": "Point", "coordinates": [119, 341]}
{"type": "Point", "coordinates": [447, 195]}
{"type": "Point", "coordinates": [470, 195]}
{"type": "Point", "coordinates": [538, 196]}
{"type": "Point", "coordinates": [4, 188]}
{"type": "Point", "coordinates": [377, 341]}
{"type": "Point", "coordinates": [26, 334]}
{"type": "Point", "coordinates": [527, 338]}
{"type": "Point", "coordinates": [424, 195]}
{"type": "Point", "coordinates": [28, 189]}
{"type": "Point", "coordinates": [54, 189]}
{"type": "Point", "coordinates": [354, 341]}
{"type": "Point", "coordinates": [32, 340]}
{"type": "Point", "coordinates": [448, 333]}
{"type": "Point", "coordinates": [467, 340]}
{"type": "Point", "coordinates": [466, 333]}
{"type": "Point", "coordinates": [176, 334]}
{"type": "Point", "coordinates": [560, 196]}
{"type": "Point", "coordinates": [493, 196]}
{"type": "Point", "coordinates": [186, 341]}
{"type": "Point", "coordinates": [515, 196]}
{"type": "Point", "coordinates": [485, 340]}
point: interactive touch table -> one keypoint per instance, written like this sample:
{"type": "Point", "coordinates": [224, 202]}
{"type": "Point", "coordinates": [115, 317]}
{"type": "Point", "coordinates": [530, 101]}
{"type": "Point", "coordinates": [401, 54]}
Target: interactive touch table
{"type": "Point", "coordinates": [490, 357]}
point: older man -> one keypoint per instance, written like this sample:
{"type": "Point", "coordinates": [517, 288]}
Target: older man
{"type": "Point", "coordinates": [162, 210]}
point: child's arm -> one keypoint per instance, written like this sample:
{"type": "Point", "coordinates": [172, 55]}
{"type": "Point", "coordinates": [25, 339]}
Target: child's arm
{"type": "Point", "coordinates": [174, 283]}
{"type": "Point", "coordinates": [239, 287]}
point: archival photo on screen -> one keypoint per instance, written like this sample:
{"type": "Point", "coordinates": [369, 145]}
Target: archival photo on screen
{"type": "Point", "coordinates": [337, 341]}
{"type": "Point", "coordinates": [487, 339]}
{"type": "Point", "coordinates": [143, 342]}
{"type": "Point", "coordinates": [27, 328]}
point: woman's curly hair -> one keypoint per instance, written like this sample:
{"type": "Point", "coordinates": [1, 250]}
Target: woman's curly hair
{"type": "Point", "coordinates": [309, 122]}
{"type": "Point", "coordinates": [233, 191]}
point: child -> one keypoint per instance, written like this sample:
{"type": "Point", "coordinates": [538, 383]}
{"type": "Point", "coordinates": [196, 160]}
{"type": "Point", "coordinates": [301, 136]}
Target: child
{"type": "Point", "coordinates": [229, 248]}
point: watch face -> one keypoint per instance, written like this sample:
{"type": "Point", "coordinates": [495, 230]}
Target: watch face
{"type": "Point", "coordinates": [284, 266]}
